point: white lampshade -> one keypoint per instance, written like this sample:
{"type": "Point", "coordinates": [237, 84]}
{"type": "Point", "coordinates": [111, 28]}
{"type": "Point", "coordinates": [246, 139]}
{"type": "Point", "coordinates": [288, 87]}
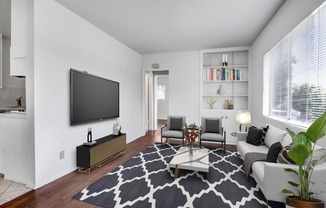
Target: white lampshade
{"type": "Point", "coordinates": [243, 117]}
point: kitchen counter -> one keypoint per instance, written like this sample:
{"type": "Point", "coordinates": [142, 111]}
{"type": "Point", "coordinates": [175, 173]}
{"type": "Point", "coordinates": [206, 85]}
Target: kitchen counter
{"type": "Point", "coordinates": [4, 109]}
{"type": "Point", "coordinates": [13, 114]}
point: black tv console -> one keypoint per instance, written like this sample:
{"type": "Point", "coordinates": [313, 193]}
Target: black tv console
{"type": "Point", "coordinates": [106, 149]}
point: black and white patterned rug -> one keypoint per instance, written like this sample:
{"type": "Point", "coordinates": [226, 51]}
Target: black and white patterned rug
{"type": "Point", "coordinates": [146, 181]}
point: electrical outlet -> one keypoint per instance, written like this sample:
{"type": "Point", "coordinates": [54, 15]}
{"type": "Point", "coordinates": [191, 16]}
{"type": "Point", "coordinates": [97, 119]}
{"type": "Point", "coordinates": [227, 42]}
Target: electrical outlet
{"type": "Point", "coordinates": [62, 154]}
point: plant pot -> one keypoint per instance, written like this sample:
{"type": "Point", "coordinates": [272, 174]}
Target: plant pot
{"type": "Point", "coordinates": [293, 201]}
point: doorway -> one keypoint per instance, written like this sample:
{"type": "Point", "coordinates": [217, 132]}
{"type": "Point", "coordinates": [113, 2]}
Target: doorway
{"type": "Point", "coordinates": [156, 99]}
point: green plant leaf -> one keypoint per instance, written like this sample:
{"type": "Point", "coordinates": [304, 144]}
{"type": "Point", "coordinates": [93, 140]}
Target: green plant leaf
{"type": "Point", "coordinates": [291, 133]}
{"type": "Point", "coordinates": [299, 153]}
{"type": "Point", "coordinates": [293, 183]}
{"type": "Point", "coordinates": [317, 129]}
{"type": "Point", "coordinates": [291, 171]}
{"type": "Point", "coordinates": [287, 191]}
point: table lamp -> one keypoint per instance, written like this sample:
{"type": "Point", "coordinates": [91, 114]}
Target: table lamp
{"type": "Point", "coordinates": [243, 118]}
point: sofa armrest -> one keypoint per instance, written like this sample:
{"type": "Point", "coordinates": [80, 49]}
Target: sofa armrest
{"type": "Point", "coordinates": [242, 136]}
{"type": "Point", "coordinates": [276, 179]}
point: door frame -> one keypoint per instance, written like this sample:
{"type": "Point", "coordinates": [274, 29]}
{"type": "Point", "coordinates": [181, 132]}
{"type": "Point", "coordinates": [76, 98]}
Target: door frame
{"type": "Point", "coordinates": [148, 99]}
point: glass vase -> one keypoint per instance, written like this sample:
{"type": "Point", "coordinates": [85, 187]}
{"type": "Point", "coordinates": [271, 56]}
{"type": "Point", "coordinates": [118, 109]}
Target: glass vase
{"type": "Point", "coordinates": [190, 149]}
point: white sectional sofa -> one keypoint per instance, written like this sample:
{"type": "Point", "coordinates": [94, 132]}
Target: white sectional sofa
{"type": "Point", "coordinates": [271, 177]}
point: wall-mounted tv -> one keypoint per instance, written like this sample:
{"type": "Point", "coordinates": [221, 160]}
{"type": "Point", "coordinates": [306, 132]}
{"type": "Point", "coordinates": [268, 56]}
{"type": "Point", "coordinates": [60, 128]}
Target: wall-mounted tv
{"type": "Point", "coordinates": [92, 98]}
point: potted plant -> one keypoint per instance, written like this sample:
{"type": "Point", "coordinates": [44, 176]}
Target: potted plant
{"type": "Point", "coordinates": [301, 152]}
{"type": "Point", "coordinates": [211, 102]}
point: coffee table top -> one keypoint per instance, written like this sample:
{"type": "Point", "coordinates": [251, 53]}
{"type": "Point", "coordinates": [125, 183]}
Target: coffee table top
{"type": "Point", "coordinates": [197, 162]}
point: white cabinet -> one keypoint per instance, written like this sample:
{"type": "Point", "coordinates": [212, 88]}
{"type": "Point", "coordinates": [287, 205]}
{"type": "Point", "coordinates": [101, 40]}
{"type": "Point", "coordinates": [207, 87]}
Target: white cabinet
{"type": "Point", "coordinates": [19, 28]}
{"type": "Point", "coordinates": [15, 151]}
{"type": "Point", "coordinates": [232, 77]}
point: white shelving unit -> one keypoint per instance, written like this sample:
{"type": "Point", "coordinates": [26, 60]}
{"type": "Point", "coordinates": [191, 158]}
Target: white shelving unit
{"type": "Point", "coordinates": [234, 79]}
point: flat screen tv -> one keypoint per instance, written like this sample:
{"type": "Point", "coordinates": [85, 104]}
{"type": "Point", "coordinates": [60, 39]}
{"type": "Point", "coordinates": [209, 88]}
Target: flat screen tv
{"type": "Point", "coordinates": [92, 98]}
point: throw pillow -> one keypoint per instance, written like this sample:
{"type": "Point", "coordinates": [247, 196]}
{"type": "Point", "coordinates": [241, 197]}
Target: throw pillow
{"type": "Point", "coordinates": [212, 126]}
{"type": "Point", "coordinates": [273, 152]}
{"type": "Point", "coordinates": [176, 124]}
{"type": "Point", "coordinates": [283, 156]}
{"type": "Point", "coordinates": [274, 135]}
{"type": "Point", "coordinates": [318, 155]}
{"type": "Point", "coordinates": [254, 136]}
{"type": "Point", "coordinates": [263, 135]}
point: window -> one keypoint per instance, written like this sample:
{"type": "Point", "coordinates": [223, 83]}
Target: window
{"type": "Point", "coordinates": [295, 72]}
{"type": "Point", "coordinates": [161, 92]}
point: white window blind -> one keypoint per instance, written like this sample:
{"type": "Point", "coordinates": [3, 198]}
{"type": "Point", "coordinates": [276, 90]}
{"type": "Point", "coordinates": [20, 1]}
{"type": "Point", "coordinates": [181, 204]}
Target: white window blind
{"type": "Point", "coordinates": [297, 69]}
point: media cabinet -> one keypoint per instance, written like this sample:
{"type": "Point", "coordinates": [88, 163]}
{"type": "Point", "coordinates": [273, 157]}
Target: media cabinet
{"type": "Point", "coordinates": [106, 149]}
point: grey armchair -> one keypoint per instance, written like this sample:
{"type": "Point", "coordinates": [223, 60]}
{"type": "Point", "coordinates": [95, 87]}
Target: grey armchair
{"type": "Point", "coordinates": [212, 131]}
{"type": "Point", "coordinates": [173, 128]}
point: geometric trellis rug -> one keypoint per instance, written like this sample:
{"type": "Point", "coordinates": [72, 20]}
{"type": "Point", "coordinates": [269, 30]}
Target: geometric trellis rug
{"type": "Point", "coordinates": [146, 181]}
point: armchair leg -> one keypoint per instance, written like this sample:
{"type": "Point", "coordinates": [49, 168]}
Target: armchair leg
{"type": "Point", "coordinates": [161, 141]}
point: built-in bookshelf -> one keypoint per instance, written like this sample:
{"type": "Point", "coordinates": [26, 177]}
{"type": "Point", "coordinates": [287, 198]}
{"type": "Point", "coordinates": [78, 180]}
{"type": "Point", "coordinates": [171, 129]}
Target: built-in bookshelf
{"type": "Point", "coordinates": [230, 75]}
{"type": "Point", "coordinates": [225, 78]}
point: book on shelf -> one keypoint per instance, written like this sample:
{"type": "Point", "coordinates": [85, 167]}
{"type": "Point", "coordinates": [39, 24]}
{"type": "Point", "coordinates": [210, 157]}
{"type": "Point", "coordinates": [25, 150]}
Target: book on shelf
{"type": "Point", "coordinates": [225, 74]}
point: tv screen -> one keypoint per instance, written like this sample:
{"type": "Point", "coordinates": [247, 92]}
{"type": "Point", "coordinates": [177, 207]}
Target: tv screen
{"type": "Point", "coordinates": [92, 98]}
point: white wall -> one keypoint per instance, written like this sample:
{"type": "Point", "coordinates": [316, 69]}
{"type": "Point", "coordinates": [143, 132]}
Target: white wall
{"type": "Point", "coordinates": [163, 104]}
{"type": "Point", "coordinates": [63, 40]}
{"type": "Point", "coordinates": [290, 15]}
{"type": "Point", "coordinates": [183, 81]}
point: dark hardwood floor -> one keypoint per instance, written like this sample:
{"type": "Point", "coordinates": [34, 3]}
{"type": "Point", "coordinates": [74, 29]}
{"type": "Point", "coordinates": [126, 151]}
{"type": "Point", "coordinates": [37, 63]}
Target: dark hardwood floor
{"type": "Point", "coordinates": [59, 192]}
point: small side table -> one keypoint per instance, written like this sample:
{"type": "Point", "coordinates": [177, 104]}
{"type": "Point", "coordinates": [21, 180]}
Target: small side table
{"type": "Point", "coordinates": [234, 134]}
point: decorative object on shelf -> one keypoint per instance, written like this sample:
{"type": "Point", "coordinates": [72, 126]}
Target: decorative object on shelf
{"type": "Point", "coordinates": [90, 141]}
{"type": "Point", "coordinates": [225, 60]}
{"type": "Point", "coordinates": [221, 90]}
{"type": "Point", "coordinates": [19, 101]}
{"type": "Point", "coordinates": [301, 152]}
{"type": "Point", "coordinates": [243, 118]}
{"type": "Point", "coordinates": [117, 128]}
{"type": "Point", "coordinates": [89, 135]}
{"type": "Point", "coordinates": [211, 102]}
{"type": "Point", "coordinates": [191, 133]}
{"type": "Point", "coordinates": [228, 104]}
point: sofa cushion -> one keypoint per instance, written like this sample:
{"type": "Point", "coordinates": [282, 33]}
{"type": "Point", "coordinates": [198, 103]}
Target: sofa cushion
{"type": "Point", "coordinates": [318, 155]}
{"type": "Point", "coordinates": [212, 126]}
{"type": "Point", "coordinates": [244, 148]}
{"type": "Point", "coordinates": [176, 124]}
{"type": "Point", "coordinates": [283, 156]}
{"type": "Point", "coordinates": [254, 136]}
{"type": "Point", "coordinates": [274, 135]}
{"type": "Point", "coordinates": [287, 140]}
{"type": "Point", "coordinates": [263, 134]}
{"type": "Point", "coordinates": [273, 152]}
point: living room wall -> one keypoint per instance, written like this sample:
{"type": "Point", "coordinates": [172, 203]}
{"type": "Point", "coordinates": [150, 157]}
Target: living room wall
{"type": "Point", "coordinates": [64, 40]}
{"type": "Point", "coordinates": [183, 81]}
{"type": "Point", "coordinates": [289, 16]}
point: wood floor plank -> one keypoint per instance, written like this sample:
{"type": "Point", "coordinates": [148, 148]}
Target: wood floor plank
{"type": "Point", "coordinates": [59, 193]}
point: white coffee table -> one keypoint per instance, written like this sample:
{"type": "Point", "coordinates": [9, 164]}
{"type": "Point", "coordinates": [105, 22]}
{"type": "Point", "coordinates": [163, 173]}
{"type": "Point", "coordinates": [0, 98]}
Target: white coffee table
{"type": "Point", "coordinates": [197, 162]}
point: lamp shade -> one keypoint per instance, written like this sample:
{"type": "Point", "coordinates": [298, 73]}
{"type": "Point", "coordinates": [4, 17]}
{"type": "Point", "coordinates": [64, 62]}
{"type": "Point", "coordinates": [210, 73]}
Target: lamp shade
{"type": "Point", "coordinates": [243, 117]}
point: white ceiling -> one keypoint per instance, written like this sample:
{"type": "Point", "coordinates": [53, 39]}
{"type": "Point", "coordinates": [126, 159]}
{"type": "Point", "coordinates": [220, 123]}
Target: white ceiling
{"type": "Point", "coordinates": [156, 26]}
